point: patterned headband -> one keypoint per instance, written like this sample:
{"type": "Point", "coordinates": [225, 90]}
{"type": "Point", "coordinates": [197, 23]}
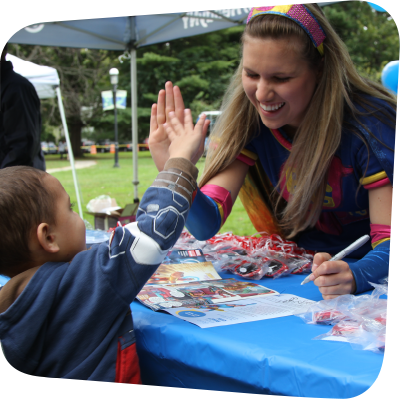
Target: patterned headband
{"type": "Point", "coordinates": [299, 14]}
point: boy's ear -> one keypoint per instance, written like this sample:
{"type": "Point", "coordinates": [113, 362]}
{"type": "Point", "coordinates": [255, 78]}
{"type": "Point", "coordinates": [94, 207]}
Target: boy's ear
{"type": "Point", "coordinates": [46, 239]}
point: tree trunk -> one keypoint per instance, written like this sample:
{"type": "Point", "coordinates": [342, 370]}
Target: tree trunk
{"type": "Point", "coordinates": [75, 128]}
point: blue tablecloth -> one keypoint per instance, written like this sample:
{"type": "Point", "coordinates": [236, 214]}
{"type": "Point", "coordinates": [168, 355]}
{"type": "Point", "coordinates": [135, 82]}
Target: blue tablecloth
{"type": "Point", "coordinates": [276, 356]}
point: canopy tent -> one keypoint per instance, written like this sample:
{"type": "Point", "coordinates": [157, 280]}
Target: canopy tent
{"type": "Point", "coordinates": [47, 84]}
{"type": "Point", "coordinates": [127, 34]}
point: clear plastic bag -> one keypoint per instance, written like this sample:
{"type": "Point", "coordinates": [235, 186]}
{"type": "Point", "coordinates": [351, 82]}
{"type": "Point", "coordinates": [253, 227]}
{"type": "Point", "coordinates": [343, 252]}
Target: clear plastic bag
{"type": "Point", "coordinates": [326, 312]}
{"type": "Point", "coordinates": [251, 256]}
{"type": "Point", "coordinates": [344, 330]}
{"type": "Point", "coordinates": [281, 264]}
{"type": "Point", "coordinates": [358, 320]}
{"type": "Point", "coordinates": [298, 264]}
{"type": "Point", "coordinates": [361, 335]}
{"type": "Point", "coordinates": [242, 266]}
{"type": "Point", "coordinates": [380, 289]}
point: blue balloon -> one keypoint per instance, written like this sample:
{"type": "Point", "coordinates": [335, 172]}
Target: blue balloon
{"type": "Point", "coordinates": [377, 8]}
{"type": "Point", "coordinates": [390, 76]}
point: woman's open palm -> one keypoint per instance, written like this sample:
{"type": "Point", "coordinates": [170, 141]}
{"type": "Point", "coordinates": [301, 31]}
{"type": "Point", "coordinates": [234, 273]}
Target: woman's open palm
{"type": "Point", "coordinates": [169, 100]}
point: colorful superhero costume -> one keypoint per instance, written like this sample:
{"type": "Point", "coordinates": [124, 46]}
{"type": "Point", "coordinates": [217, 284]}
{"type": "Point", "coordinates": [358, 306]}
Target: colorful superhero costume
{"type": "Point", "coordinates": [345, 213]}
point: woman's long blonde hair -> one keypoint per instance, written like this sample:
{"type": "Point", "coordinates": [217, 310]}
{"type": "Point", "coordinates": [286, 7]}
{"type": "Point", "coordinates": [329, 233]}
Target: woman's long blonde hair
{"type": "Point", "coordinates": [319, 134]}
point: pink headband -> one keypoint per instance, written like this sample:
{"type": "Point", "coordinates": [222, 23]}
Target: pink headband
{"type": "Point", "coordinates": [299, 14]}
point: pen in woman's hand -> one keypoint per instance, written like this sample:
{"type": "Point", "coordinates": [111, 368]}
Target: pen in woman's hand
{"type": "Point", "coordinates": [352, 247]}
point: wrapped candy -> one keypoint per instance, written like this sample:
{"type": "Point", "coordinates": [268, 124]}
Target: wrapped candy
{"type": "Point", "coordinates": [251, 256]}
{"type": "Point", "coordinates": [358, 320]}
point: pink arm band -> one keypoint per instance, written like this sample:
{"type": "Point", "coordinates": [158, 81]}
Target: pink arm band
{"type": "Point", "coordinates": [379, 233]}
{"type": "Point", "coordinates": [221, 196]}
{"type": "Point", "coordinates": [247, 160]}
{"type": "Point", "coordinates": [379, 183]}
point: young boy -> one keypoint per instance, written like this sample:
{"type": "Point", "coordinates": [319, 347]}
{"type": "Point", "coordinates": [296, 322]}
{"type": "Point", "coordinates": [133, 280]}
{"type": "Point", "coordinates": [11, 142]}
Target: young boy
{"type": "Point", "coordinates": [65, 312]}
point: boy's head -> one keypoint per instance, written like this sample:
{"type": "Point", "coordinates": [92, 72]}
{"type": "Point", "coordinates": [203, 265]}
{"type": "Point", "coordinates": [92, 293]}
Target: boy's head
{"type": "Point", "coordinates": [37, 221]}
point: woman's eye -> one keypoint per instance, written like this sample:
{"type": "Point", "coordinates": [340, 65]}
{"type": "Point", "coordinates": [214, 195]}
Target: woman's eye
{"type": "Point", "coordinates": [281, 79]}
{"type": "Point", "coordinates": [251, 75]}
{"type": "Point", "coordinates": [72, 205]}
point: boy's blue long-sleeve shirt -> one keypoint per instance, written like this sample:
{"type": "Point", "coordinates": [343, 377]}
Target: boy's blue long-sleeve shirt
{"type": "Point", "coordinates": [72, 320]}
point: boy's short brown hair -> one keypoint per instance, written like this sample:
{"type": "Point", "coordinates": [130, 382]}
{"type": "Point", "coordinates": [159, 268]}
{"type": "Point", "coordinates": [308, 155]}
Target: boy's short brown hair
{"type": "Point", "coordinates": [25, 202]}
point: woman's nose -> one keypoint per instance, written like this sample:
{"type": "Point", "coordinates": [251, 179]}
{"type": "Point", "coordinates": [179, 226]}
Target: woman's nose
{"type": "Point", "coordinates": [265, 91]}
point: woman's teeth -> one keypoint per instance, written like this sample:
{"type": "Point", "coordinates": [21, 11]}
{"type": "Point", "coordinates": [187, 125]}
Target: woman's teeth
{"type": "Point", "coordinates": [271, 107]}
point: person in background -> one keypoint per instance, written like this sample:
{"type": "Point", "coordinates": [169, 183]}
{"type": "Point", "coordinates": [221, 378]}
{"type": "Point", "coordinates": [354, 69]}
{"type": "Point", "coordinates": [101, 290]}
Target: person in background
{"type": "Point", "coordinates": [62, 149]}
{"type": "Point", "coordinates": [20, 120]}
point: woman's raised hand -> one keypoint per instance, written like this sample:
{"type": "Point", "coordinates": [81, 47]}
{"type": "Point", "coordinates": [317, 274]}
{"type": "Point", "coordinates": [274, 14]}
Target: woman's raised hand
{"type": "Point", "coordinates": [186, 141]}
{"type": "Point", "coordinates": [169, 100]}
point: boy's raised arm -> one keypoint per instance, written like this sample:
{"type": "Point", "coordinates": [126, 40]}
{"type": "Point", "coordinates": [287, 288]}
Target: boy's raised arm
{"type": "Point", "coordinates": [162, 211]}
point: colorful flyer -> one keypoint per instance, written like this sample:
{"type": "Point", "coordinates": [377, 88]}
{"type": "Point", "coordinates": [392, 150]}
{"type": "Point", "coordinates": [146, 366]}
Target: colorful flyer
{"type": "Point", "coordinates": [161, 297]}
{"type": "Point", "coordinates": [183, 273]}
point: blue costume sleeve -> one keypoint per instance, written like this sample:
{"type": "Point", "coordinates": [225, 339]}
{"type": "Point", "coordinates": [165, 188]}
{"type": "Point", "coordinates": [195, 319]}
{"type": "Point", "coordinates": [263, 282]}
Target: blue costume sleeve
{"type": "Point", "coordinates": [204, 219]}
{"type": "Point", "coordinates": [372, 267]}
{"type": "Point", "coordinates": [380, 136]}
{"type": "Point", "coordinates": [375, 265]}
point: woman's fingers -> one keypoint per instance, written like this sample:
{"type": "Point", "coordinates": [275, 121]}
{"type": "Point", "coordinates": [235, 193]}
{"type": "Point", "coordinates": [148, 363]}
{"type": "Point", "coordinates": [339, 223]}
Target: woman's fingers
{"type": "Point", "coordinates": [161, 119]}
{"type": "Point", "coordinates": [169, 99]}
{"type": "Point", "coordinates": [327, 273]}
{"type": "Point", "coordinates": [319, 258]}
{"type": "Point", "coordinates": [179, 104]}
{"type": "Point", "coordinates": [153, 119]}
{"type": "Point", "coordinates": [205, 128]}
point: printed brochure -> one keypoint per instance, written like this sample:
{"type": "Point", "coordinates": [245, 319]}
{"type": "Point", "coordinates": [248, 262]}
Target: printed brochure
{"type": "Point", "coordinates": [182, 267]}
{"type": "Point", "coordinates": [161, 297]}
{"type": "Point", "coordinates": [254, 309]}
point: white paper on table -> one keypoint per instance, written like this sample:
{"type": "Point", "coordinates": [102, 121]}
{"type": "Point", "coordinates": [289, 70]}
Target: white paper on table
{"type": "Point", "coordinates": [245, 310]}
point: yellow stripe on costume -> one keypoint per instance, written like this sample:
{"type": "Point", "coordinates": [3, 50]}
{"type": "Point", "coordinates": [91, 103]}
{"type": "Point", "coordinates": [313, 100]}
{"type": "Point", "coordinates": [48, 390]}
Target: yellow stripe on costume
{"type": "Point", "coordinates": [373, 178]}
{"type": "Point", "coordinates": [376, 243]}
{"type": "Point", "coordinates": [221, 212]}
{"type": "Point", "coordinates": [249, 154]}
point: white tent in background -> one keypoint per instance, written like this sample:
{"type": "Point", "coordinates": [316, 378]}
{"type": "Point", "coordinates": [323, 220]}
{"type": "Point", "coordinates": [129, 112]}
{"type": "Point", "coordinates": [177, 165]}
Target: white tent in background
{"type": "Point", "coordinates": [47, 84]}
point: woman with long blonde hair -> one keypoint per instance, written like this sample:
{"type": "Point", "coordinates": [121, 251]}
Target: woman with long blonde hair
{"type": "Point", "coordinates": [307, 142]}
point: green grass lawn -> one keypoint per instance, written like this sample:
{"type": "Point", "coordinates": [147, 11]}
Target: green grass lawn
{"type": "Point", "coordinates": [104, 179]}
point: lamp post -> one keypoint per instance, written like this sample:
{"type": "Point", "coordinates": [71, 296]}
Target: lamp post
{"type": "Point", "coordinates": [114, 81]}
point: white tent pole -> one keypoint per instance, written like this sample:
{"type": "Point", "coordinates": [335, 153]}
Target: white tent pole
{"type": "Point", "coordinates": [70, 152]}
{"type": "Point", "coordinates": [135, 181]}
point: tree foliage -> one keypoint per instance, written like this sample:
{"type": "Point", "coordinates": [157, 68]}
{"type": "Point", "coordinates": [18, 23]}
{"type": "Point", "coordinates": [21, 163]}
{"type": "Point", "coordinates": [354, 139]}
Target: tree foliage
{"type": "Point", "coordinates": [201, 65]}
{"type": "Point", "coordinates": [372, 37]}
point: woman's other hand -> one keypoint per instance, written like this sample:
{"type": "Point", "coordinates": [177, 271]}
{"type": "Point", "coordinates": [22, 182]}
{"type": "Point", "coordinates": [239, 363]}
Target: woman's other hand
{"type": "Point", "coordinates": [333, 278]}
{"type": "Point", "coordinates": [169, 100]}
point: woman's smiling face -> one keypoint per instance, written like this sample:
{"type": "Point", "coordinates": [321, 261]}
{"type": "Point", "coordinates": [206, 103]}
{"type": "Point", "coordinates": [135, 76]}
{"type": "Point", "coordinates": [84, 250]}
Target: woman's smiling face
{"type": "Point", "coordinates": [278, 81]}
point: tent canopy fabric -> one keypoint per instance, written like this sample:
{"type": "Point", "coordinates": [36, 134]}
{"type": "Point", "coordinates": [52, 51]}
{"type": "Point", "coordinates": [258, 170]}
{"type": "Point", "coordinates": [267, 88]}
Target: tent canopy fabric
{"type": "Point", "coordinates": [45, 79]}
{"type": "Point", "coordinates": [125, 33]}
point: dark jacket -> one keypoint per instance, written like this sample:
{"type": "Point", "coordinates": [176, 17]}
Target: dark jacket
{"type": "Point", "coordinates": [20, 121]}
{"type": "Point", "coordinates": [73, 319]}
